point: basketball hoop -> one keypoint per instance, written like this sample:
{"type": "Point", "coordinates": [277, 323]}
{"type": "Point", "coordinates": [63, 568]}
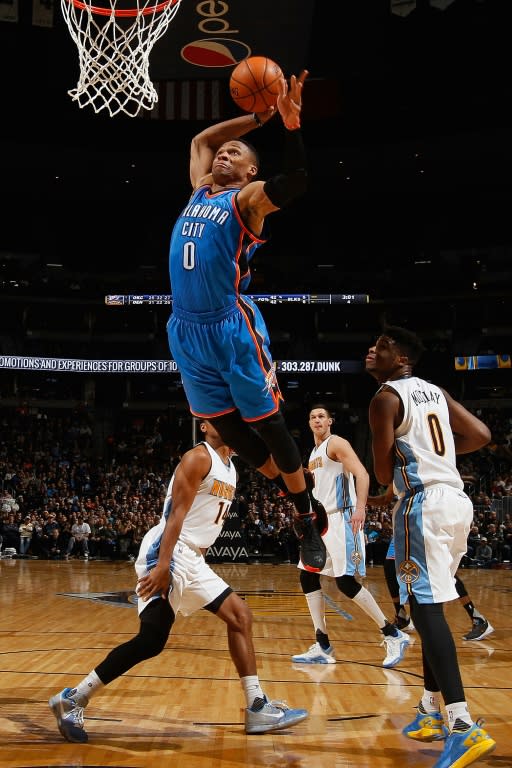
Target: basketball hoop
{"type": "Point", "coordinates": [114, 44]}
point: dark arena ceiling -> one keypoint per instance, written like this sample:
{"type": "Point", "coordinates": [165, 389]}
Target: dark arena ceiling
{"type": "Point", "coordinates": [408, 139]}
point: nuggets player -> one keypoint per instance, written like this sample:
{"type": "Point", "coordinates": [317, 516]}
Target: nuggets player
{"type": "Point", "coordinates": [338, 473]}
{"type": "Point", "coordinates": [174, 576]}
{"type": "Point", "coordinates": [417, 429]}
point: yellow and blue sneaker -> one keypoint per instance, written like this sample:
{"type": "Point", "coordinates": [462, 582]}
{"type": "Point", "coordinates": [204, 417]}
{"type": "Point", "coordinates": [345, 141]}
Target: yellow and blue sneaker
{"type": "Point", "coordinates": [426, 726]}
{"type": "Point", "coordinates": [463, 748]}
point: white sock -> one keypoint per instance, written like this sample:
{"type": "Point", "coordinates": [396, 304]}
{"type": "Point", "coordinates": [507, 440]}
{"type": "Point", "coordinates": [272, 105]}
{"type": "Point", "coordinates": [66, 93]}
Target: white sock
{"type": "Point", "coordinates": [456, 713]}
{"type": "Point", "coordinates": [366, 602]}
{"type": "Point", "coordinates": [87, 687]}
{"type": "Point", "coordinates": [430, 701]}
{"type": "Point", "coordinates": [252, 688]}
{"type": "Point", "coordinates": [316, 607]}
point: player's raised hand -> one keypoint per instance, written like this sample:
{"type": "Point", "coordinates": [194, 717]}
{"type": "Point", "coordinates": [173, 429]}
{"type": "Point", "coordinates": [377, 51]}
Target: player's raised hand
{"type": "Point", "coordinates": [289, 101]}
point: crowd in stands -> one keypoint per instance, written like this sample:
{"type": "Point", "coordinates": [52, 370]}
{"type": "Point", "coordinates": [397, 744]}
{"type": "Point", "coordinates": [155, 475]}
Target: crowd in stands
{"type": "Point", "coordinates": [52, 481]}
{"type": "Point", "coordinates": [64, 495]}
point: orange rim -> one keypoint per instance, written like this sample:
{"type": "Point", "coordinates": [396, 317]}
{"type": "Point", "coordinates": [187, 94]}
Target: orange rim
{"type": "Point", "coordinates": [122, 13]}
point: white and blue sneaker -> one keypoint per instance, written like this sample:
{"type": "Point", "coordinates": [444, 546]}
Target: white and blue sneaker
{"type": "Point", "coordinates": [265, 715]}
{"type": "Point", "coordinates": [316, 655]}
{"type": "Point", "coordinates": [395, 648]}
{"type": "Point", "coordinates": [69, 712]}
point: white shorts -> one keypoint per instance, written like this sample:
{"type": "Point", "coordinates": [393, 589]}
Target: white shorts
{"type": "Point", "coordinates": [345, 553]}
{"type": "Point", "coordinates": [430, 534]}
{"type": "Point", "coordinates": [194, 584]}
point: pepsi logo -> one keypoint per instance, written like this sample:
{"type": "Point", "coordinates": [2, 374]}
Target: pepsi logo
{"type": "Point", "coordinates": [215, 52]}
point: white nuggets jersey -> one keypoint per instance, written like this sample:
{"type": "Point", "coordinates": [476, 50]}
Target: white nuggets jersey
{"type": "Point", "coordinates": [424, 445]}
{"type": "Point", "coordinates": [432, 517]}
{"type": "Point", "coordinates": [194, 584]}
{"type": "Point", "coordinates": [205, 518]}
{"type": "Point", "coordinates": [203, 522]}
{"type": "Point", "coordinates": [335, 488]}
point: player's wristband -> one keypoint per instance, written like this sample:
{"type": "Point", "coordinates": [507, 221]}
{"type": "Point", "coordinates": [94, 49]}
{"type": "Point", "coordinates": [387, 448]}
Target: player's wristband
{"type": "Point", "coordinates": [257, 120]}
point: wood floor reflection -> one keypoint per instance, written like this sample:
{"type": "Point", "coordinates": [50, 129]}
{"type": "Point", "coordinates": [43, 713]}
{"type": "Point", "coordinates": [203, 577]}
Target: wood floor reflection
{"type": "Point", "coordinates": [185, 708]}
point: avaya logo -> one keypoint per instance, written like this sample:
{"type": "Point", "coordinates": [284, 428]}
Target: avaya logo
{"type": "Point", "coordinates": [231, 552]}
{"type": "Point", "coordinates": [230, 535]}
{"type": "Point", "coordinates": [218, 49]}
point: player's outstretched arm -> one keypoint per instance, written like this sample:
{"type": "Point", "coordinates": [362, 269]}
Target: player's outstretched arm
{"type": "Point", "coordinates": [205, 144]}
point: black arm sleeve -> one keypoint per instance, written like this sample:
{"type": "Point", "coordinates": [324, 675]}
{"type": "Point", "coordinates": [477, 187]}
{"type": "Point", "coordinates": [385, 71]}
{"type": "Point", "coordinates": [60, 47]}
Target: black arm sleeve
{"type": "Point", "coordinates": [284, 187]}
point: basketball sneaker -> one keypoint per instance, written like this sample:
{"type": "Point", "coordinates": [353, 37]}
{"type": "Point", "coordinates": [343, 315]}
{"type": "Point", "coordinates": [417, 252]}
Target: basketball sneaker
{"type": "Point", "coordinates": [462, 748]}
{"type": "Point", "coordinates": [481, 628]}
{"type": "Point", "coordinates": [395, 649]}
{"type": "Point", "coordinates": [404, 622]}
{"type": "Point", "coordinates": [321, 519]}
{"type": "Point", "coordinates": [426, 726]}
{"type": "Point", "coordinates": [265, 715]}
{"type": "Point", "coordinates": [316, 655]}
{"type": "Point", "coordinates": [69, 712]}
{"type": "Point", "coordinates": [312, 549]}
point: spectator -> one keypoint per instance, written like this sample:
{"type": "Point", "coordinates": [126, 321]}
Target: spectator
{"type": "Point", "coordinates": [10, 533]}
{"type": "Point", "coordinates": [25, 530]}
{"type": "Point", "coordinates": [254, 535]}
{"type": "Point", "coordinates": [507, 541]}
{"type": "Point", "coordinates": [56, 546]}
{"type": "Point", "coordinates": [483, 555]}
{"type": "Point", "coordinates": [494, 539]}
{"type": "Point", "coordinates": [474, 540]}
{"type": "Point", "coordinates": [287, 546]}
{"type": "Point", "coordinates": [107, 536]}
{"type": "Point", "coordinates": [79, 539]}
{"type": "Point", "coordinates": [124, 537]}
{"type": "Point", "coordinates": [36, 544]}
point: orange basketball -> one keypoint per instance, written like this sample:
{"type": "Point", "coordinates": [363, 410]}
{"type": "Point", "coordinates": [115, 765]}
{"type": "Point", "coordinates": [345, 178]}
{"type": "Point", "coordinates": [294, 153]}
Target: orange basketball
{"type": "Point", "coordinates": [254, 83]}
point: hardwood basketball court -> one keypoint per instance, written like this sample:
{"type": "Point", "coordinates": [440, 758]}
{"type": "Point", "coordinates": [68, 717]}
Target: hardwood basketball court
{"type": "Point", "coordinates": [185, 708]}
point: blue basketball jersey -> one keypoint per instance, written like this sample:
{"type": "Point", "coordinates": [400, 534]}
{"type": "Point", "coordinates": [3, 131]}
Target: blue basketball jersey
{"type": "Point", "coordinates": [217, 337]}
{"type": "Point", "coordinates": [209, 254]}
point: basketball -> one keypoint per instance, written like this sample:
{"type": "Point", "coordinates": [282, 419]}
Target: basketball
{"type": "Point", "coordinates": [254, 83]}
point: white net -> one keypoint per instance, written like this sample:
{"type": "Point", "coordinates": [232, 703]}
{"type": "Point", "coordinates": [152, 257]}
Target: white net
{"type": "Point", "coordinates": [113, 46]}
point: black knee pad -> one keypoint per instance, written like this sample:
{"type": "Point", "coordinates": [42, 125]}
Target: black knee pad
{"type": "Point", "coordinates": [348, 585]}
{"type": "Point", "coordinates": [156, 621]}
{"type": "Point", "coordinates": [309, 581]}
{"type": "Point", "coordinates": [279, 442]}
{"type": "Point", "coordinates": [242, 438]}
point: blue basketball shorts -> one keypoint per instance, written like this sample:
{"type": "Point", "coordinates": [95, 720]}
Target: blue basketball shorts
{"type": "Point", "coordinates": [225, 363]}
